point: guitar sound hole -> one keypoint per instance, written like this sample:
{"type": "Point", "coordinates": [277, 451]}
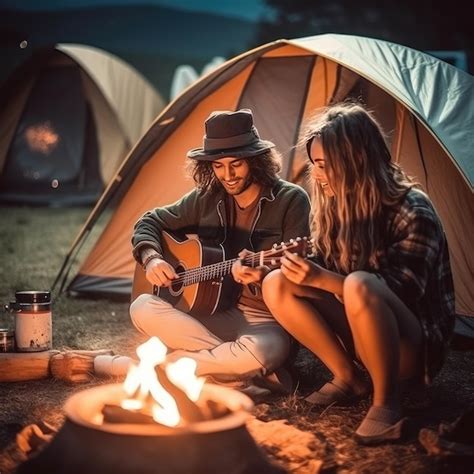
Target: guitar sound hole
{"type": "Point", "coordinates": [177, 287]}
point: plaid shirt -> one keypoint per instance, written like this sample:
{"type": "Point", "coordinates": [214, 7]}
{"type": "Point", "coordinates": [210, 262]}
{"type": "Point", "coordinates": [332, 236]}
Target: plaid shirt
{"type": "Point", "coordinates": [415, 265]}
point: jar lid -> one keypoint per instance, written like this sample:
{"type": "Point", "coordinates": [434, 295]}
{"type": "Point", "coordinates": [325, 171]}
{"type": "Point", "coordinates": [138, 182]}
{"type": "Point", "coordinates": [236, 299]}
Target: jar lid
{"type": "Point", "coordinates": [6, 332]}
{"type": "Point", "coordinates": [33, 296]}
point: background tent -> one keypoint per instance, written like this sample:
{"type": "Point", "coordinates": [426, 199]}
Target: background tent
{"type": "Point", "coordinates": [425, 104]}
{"type": "Point", "coordinates": [185, 75]}
{"type": "Point", "coordinates": [68, 116]}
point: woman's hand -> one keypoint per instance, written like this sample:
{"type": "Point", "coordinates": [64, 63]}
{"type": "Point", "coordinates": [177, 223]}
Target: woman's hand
{"type": "Point", "coordinates": [160, 273]}
{"type": "Point", "coordinates": [300, 271]}
{"type": "Point", "coordinates": [246, 275]}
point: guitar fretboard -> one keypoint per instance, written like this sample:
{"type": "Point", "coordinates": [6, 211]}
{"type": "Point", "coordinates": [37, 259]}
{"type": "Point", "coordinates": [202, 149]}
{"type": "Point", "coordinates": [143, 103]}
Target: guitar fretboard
{"type": "Point", "coordinates": [220, 269]}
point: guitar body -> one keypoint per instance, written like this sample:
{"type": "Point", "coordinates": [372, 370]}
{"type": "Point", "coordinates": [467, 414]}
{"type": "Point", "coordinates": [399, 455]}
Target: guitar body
{"type": "Point", "coordinates": [197, 299]}
{"type": "Point", "coordinates": [204, 283]}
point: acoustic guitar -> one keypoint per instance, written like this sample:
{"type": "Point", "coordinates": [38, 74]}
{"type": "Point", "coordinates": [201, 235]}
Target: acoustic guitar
{"type": "Point", "coordinates": [204, 275]}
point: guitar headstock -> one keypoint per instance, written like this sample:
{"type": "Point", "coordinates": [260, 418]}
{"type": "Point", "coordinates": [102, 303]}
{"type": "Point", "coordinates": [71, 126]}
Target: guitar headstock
{"type": "Point", "coordinates": [302, 246]}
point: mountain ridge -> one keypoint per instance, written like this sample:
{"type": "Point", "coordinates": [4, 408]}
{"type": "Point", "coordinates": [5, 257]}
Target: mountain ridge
{"type": "Point", "coordinates": [154, 39]}
{"type": "Point", "coordinates": [208, 32]}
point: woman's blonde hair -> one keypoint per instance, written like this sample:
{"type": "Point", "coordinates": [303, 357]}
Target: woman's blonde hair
{"type": "Point", "coordinates": [349, 228]}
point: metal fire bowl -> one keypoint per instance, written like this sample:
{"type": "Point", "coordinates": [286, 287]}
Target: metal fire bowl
{"type": "Point", "coordinates": [85, 409]}
{"type": "Point", "coordinates": [85, 445]}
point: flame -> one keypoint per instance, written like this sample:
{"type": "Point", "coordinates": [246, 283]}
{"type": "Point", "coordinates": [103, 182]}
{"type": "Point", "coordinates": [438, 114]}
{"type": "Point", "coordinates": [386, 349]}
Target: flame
{"type": "Point", "coordinates": [182, 374]}
{"type": "Point", "coordinates": [145, 391]}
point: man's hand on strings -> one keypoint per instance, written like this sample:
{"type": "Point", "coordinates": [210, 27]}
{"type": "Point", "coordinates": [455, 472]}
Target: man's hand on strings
{"type": "Point", "coordinates": [160, 273]}
{"type": "Point", "coordinates": [244, 274]}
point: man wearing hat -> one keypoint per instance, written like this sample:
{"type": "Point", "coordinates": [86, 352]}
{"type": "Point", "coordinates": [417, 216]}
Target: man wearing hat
{"type": "Point", "coordinates": [239, 202]}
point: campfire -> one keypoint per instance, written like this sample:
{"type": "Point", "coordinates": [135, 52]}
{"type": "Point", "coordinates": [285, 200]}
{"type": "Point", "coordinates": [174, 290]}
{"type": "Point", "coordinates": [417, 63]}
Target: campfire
{"type": "Point", "coordinates": [154, 394]}
{"type": "Point", "coordinates": [161, 419]}
{"type": "Point", "coordinates": [170, 396]}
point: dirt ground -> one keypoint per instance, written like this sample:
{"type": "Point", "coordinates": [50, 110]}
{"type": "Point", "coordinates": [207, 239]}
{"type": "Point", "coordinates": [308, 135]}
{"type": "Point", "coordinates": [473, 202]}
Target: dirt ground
{"type": "Point", "coordinates": [30, 402]}
{"type": "Point", "coordinates": [32, 245]}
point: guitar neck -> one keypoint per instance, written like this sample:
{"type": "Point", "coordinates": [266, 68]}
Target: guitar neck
{"type": "Point", "coordinates": [221, 269]}
{"type": "Point", "coordinates": [270, 258]}
{"type": "Point", "coordinates": [214, 270]}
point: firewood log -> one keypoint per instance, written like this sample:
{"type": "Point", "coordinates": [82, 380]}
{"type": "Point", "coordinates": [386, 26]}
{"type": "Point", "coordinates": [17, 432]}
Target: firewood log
{"type": "Point", "coordinates": [22, 366]}
{"type": "Point", "coordinates": [72, 365]}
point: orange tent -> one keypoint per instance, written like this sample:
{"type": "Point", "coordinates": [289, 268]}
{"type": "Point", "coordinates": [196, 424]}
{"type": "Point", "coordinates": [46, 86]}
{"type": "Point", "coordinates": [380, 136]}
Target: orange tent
{"type": "Point", "coordinates": [424, 103]}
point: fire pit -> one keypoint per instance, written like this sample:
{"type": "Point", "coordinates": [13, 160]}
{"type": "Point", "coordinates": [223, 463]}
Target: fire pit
{"type": "Point", "coordinates": [101, 436]}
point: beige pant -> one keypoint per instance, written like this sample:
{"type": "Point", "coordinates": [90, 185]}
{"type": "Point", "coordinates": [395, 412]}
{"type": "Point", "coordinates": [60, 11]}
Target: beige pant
{"type": "Point", "coordinates": [233, 344]}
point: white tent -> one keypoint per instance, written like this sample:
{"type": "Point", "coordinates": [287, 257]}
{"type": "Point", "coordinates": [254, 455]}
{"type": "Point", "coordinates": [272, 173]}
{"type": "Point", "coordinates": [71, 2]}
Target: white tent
{"type": "Point", "coordinates": [185, 75]}
{"type": "Point", "coordinates": [69, 115]}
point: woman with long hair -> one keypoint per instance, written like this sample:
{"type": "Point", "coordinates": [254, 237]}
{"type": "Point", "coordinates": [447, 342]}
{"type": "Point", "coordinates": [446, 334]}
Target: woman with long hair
{"type": "Point", "coordinates": [379, 291]}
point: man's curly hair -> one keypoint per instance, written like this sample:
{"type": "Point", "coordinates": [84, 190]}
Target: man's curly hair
{"type": "Point", "coordinates": [264, 169]}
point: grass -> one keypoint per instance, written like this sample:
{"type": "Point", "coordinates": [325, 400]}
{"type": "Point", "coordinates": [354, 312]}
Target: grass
{"type": "Point", "coordinates": [33, 244]}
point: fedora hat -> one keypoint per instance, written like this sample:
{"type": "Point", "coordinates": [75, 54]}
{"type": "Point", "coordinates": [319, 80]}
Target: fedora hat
{"type": "Point", "coordinates": [230, 133]}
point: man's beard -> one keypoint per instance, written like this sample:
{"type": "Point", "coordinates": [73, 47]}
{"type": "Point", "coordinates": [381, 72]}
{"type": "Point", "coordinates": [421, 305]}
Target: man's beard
{"type": "Point", "coordinates": [245, 185]}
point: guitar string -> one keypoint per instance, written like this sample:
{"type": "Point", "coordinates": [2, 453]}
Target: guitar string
{"type": "Point", "coordinates": [214, 270]}
{"type": "Point", "coordinates": [192, 276]}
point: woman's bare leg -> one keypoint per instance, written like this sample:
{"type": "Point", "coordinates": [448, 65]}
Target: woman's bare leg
{"type": "Point", "coordinates": [320, 325]}
{"type": "Point", "coordinates": [386, 333]}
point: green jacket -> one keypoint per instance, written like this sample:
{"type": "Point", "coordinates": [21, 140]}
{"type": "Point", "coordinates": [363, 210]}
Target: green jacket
{"type": "Point", "coordinates": [283, 214]}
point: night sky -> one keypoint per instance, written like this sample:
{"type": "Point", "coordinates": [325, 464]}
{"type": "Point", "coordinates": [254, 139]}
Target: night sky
{"type": "Point", "coordinates": [246, 9]}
